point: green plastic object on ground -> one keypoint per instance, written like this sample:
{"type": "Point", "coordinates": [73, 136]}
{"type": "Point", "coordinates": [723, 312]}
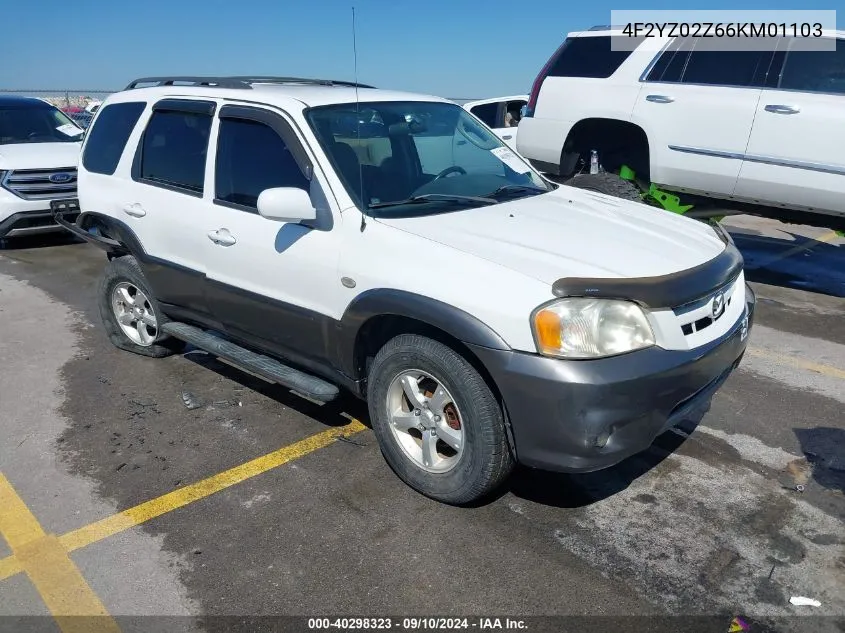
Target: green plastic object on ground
{"type": "Point", "coordinates": [665, 199]}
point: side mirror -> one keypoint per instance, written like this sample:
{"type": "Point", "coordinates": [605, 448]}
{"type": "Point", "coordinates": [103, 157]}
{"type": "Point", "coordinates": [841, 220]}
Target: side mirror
{"type": "Point", "coordinates": [286, 204]}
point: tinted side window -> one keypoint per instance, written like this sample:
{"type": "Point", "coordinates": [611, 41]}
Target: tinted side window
{"type": "Point", "coordinates": [815, 71]}
{"type": "Point", "coordinates": [107, 138]}
{"type": "Point", "coordinates": [487, 112]}
{"type": "Point", "coordinates": [251, 157]}
{"type": "Point", "coordinates": [174, 149]}
{"type": "Point", "coordinates": [671, 63]}
{"type": "Point", "coordinates": [725, 68]}
{"type": "Point", "coordinates": [589, 57]}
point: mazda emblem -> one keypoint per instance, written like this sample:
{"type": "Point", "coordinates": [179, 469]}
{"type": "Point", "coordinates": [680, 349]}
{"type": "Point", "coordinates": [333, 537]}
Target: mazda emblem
{"type": "Point", "coordinates": [718, 305]}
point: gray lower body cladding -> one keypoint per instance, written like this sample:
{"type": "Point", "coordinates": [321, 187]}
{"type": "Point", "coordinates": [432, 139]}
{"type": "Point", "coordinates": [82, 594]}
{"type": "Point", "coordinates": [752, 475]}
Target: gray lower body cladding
{"type": "Point", "coordinates": [582, 416]}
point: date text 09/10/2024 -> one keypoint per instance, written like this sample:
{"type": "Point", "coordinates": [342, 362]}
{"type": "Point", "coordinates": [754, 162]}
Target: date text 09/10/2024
{"type": "Point", "coordinates": [411, 624]}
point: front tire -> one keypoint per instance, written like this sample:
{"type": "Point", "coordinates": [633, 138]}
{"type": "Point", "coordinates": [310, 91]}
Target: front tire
{"type": "Point", "coordinates": [439, 425]}
{"type": "Point", "coordinates": [129, 312]}
{"type": "Point", "coordinates": [607, 183]}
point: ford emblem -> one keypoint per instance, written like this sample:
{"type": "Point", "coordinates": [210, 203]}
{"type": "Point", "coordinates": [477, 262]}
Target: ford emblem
{"type": "Point", "coordinates": [61, 178]}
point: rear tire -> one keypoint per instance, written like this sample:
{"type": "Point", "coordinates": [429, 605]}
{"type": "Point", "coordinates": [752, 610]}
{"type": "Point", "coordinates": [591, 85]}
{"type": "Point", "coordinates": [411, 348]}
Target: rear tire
{"type": "Point", "coordinates": [607, 183]}
{"type": "Point", "coordinates": [460, 420]}
{"type": "Point", "coordinates": [130, 314]}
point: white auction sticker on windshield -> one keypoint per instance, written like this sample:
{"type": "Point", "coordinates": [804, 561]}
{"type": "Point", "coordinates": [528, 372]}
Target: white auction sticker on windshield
{"type": "Point", "coordinates": [69, 129]}
{"type": "Point", "coordinates": [510, 159]}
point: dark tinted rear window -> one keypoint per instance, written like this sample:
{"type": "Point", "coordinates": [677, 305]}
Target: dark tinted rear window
{"type": "Point", "coordinates": [107, 138]}
{"type": "Point", "coordinates": [174, 149]}
{"type": "Point", "coordinates": [589, 57]}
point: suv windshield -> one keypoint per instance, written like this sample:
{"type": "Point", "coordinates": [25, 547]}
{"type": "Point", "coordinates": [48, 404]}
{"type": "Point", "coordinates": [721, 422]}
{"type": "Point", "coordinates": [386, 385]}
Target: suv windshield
{"type": "Point", "coordinates": [419, 157]}
{"type": "Point", "coordinates": [38, 123]}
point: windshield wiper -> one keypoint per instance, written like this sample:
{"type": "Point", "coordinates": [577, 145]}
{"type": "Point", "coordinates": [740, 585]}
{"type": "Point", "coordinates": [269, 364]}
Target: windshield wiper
{"type": "Point", "coordinates": [433, 197]}
{"type": "Point", "coordinates": [515, 189]}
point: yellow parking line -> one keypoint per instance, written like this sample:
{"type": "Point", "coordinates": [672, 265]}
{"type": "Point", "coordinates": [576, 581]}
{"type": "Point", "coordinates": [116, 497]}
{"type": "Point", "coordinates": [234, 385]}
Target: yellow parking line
{"type": "Point", "coordinates": [143, 512]}
{"type": "Point", "coordinates": [786, 359]}
{"type": "Point", "coordinates": [827, 237]}
{"type": "Point", "coordinates": [55, 576]}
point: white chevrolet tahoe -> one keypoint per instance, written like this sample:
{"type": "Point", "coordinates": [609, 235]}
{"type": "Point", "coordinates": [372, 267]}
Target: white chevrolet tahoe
{"type": "Point", "coordinates": [693, 127]}
{"type": "Point", "coordinates": [39, 150]}
{"type": "Point", "coordinates": [335, 237]}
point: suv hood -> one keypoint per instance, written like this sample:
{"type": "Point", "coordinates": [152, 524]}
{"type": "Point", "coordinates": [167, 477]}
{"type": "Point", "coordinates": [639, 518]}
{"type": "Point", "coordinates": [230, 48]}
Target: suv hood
{"type": "Point", "coordinates": [572, 233]}
{"type": "Point", "coordinates": [39, 155]}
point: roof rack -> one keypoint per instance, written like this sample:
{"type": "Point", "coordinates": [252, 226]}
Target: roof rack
{"type": "Point", "coordinates": [242, 83]}
{"type": "Point", "coordinates": [606, 27]}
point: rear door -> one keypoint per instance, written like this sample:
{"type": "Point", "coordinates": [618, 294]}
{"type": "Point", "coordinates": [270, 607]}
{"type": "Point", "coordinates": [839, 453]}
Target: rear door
{"type": "Point", "coordinates": [163, 202]}
{"type": "Point", "coordinates": [697, 106]}
{"type": "Point", "coordinates": [795, 153]}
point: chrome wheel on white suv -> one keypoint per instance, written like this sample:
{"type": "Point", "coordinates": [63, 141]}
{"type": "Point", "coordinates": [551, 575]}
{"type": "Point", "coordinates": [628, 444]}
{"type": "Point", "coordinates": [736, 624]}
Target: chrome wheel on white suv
{"type": "Point", "coordinates": [438, 423]}
{"type": "Point", "coordinates": [134, 314]}
{"type": "Point", "coordinates": [425, 421]}
{"type": "Point", "coordinates": [129, 311]}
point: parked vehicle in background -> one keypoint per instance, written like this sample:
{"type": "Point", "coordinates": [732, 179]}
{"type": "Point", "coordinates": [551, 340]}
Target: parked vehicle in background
{"type": "Point", "coordinates": [39, 150]}
{"type": "Point", "coordinates": [501, 114]}
{"type": "Point", "coordinates": [329, 236]}
{"type": "Point", "coordinates": [694, 129]}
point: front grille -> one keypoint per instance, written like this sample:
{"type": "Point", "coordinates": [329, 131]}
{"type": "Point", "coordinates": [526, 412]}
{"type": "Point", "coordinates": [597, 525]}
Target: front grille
{"type": "Point", "coordinates": [39, 184]}
{"type": "Point", "coordinates": [696, 315]}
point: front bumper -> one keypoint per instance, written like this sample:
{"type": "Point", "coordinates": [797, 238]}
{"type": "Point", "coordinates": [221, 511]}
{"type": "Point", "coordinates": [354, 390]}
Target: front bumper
{"type": "Point", "coordinates": [27, 217]}
{"type": "Point", "coordinates": [561, 411]}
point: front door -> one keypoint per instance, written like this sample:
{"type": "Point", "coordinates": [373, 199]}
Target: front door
{"type": "Point", "coordinates": [270, 283]}
{"type": "Point", "coordinates": [502, 116]}
{"type": "Point", "coordinates": [795, 153]}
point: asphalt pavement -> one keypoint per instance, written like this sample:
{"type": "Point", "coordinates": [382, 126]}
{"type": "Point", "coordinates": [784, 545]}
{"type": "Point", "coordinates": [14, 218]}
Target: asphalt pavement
{"type": "Point", "coordinates": [120, 457]}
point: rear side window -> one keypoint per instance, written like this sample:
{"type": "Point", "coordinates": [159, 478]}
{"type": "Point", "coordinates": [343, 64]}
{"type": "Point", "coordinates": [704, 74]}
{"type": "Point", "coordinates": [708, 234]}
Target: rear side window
{"type": "Point", "coordinates": [252, 157]}
{"type": "Point", "coordinates": [174, 149]}
{"type": "Point", "coordinates": [107, 138]}
{"type": "Point", "coordinates": [487, 112]}
{"type": "Point", "coordinates": [590, 57]}
{"type": "Point", "coordinates": [815, 71]}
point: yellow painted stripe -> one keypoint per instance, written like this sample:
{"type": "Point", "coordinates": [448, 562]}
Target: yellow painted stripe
{"type": "Point", "coordinates": [9, 567]}
{"type": "Point", "coordinates": [183, 496]}
{"type": "Point", "coordinates": [786, 359]}
{"type": "Point", "coordinates": [17, 524]}
{"type": "Point", "coordinates": [71, 601]}
{"type": "Point", "coordinates": [800, 248]}
{"type": "Point", "coordinates": [121, 521]}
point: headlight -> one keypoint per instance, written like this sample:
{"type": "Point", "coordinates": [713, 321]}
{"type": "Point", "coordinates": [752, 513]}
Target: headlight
{"type": "Point", "coordinates": [590, 328]}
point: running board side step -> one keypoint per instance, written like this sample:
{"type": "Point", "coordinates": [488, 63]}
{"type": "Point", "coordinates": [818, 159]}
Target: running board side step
{"type": "Point", "coordinates": [266, 367]}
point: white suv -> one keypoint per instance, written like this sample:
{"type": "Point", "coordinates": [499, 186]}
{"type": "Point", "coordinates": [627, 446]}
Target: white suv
{"type": "Point", "coordinates": [500, 114]}
{"type": "Point", "coordinates": [39, 150]}
{"type": "Point", "coordinates": [694, 127]}
{"type": "Point", "coordinates": [328, 237]}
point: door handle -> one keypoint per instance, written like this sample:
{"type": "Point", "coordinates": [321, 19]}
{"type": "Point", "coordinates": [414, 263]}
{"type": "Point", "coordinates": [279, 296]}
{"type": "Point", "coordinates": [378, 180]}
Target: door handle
{"type": "Point", "coordinates": [222, 237]}
{"type": "Point", "coordinates": [782, 109]}
{"type": "Point", "coordinates": [507, 137]}
{"type": "Point", "coordinates": [659, 99]}
{"type": "Point", "coordinates": [135, 210]}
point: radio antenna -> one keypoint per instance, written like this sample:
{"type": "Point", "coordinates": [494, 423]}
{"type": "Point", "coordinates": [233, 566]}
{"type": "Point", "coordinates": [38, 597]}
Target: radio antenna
{"type": "Point", "coordinates": [358, 124]}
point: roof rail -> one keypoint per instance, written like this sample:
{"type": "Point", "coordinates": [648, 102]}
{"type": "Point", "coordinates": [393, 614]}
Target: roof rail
{"type": "Point", "coordinates": [242, 83]}
{"type": "Point", "coordinates": [606, 27]}
{"type": "Point", "coordinates": [300, 80]}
